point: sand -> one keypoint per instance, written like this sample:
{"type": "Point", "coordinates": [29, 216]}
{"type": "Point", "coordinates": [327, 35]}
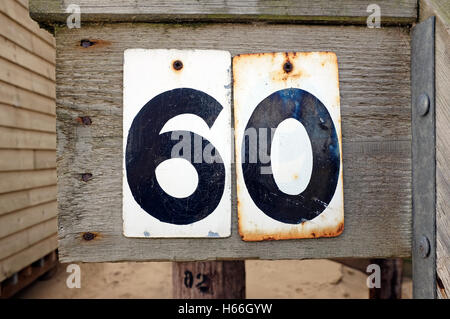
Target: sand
{"type": "Point", "coordinates": [265, 279]}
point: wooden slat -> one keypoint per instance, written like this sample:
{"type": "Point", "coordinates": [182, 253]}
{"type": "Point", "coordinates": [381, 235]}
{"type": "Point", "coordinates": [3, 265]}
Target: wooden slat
{"type": "Point", "coordinates": [23, 3]}
{"type": "Point", "coordinates": [18, 97]}
{"type": "Point", "coordinates": [19, 76]}
{"type": "Point", "coordinates": [20, 118]}
{"type": "Point", "coordinates": [16, 138]}
{"type": "Point", "coordinates": [26, 39]}
{"type": "Point", "coordinates": [14, 53]}
{"type": "Point", "coordinates": [18, 261]}
{"type": "Point", "coordinates": [17, 160]}
{"type": "Point", "coordinates": [21, 199]}
{"type": "Point", "coordinates": [14, 181]}
{"type": "Point", "coordinates": [21, 240]}
{"type": "Point", "coordinates": [44, 159]}
{"type": "Point", "coordinates": [441, 9]}
{"type": "Point", "coordinates": [20, 14]}
{"type": "Point", "coordinates": [14, 160]}
{"type": "Point", "coordinates": [375, 106]}
{"type": "Point", "coordinates": [14, 222]}
{"type": "Point", "coordinates": [343, 11]}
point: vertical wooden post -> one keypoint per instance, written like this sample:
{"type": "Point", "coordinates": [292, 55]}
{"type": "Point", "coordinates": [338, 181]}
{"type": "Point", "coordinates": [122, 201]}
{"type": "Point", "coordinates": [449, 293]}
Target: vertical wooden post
{"type": "Point", "coordinates": [209, 280]}
{"type": "Point", "coordinates": [391, 279]}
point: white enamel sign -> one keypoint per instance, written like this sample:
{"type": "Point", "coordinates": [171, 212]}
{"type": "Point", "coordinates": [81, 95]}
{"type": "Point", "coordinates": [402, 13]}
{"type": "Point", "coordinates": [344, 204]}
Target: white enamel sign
{"type": "Point", "coordinates": [177, 143]}
{"type": "Point", "coordinates": [288, 145]}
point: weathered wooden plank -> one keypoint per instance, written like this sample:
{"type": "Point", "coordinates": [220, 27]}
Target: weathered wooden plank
{"type": "Point", "coordinates": [18, 97]}
{"type": "Point", "coordinates": [17, 138]}
{"type": "Point", "coordinates": [14, 53]}
{"type": "Point", "coordinates": [20, 14]}
{"type": "Point", "coordinates": [20, 118]}
{"type": "Point", "coordinates": [14, 222]}
{"type": "Point", "coordinates": [441, 9]}
{"type": "Point", "coordinates": [26, 39]}
{"type": "Point", "coordinates": [21, 77]}
{"type": "Point", "coordinates": [21, 240]}
{"type": "Point", "coordinates": [18, 261]}
{"type": "Point", "coordinates": [375, 106]}
{"type": "Point", "coordinates": [14, 181]}
{"type": "Point", "coordinates": [14, 160]}
{"type": "Point", "coordinates": [343, 11]}
{"type": "Point", "coordinates": [21, 199]}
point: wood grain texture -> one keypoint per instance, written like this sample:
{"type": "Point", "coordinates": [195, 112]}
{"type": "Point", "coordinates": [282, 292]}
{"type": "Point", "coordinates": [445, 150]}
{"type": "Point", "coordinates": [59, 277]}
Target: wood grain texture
{"type": "Point", "coordinates": [375, 107]}
{"type": "Point", "coordinates": [27, 237]}
{"type": "Point", "coordinates": [209, 280]}
{"type": "Point", "coordinates": [342, 11]}
{"type": "Point", "coordinates": [16, 262]}
{"type": "Point", "coordinates": [13, 201]}
{"type": "Point", "coordinates": [441, 9]}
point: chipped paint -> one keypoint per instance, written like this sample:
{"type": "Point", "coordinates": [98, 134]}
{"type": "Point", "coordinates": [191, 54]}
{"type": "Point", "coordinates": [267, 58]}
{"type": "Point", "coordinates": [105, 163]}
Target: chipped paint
{"type": "Point", "coordinates": [255, 78]}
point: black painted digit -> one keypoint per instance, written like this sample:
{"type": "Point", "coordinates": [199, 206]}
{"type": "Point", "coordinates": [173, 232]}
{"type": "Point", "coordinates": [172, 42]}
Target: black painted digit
{"type": "Point", "coordinates": [314, 116]}
{"type": "Point", "coordinates": [146, 149]}
{"type": "Point", "coordinates": [188, 279]}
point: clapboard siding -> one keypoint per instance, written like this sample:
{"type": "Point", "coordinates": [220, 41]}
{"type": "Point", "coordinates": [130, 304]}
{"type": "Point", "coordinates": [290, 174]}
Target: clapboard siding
{"type": "Point", "coordinates": [317, 11]}
{"type": "Point", "coordinates": [12, 52]}
{"type": "Point", "coordinates": [27, 139]}
{"type": "Point", "coordinates": [21, 98]}
{"type": "Point", "coordinates": [375, 104]}
{"type": "Point", "coordinates": [10, 202]}
{"type": "Point", "coordinates": [27, 237]}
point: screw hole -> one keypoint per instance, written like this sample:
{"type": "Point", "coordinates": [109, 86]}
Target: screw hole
{"type": "Point", "coordinates": [86, 43]}
{"type": "Point", "coordinates": [177, 65]}
{"type": "Point", "coordinates": [288, 67]}
{"type": "Point", "coordinates": [88, 236]}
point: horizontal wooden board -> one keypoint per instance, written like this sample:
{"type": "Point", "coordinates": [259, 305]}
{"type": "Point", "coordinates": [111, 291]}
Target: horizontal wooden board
{"type": "Point", "coordinates": [44, 159]}
{"type": "Point", "coordinates": [14, 160]}
{"type": "Point", "coordinates": [14, 201]}
{"type": "Point", "coordinates": [21, 15]}
{"type": "Point", "coordinates": [17, 138]}
{"type": "Point", "coordinates": [17, 160]}
{"type": "Point", "coordinates": [19, 220]}
{"type": "Point", "coordinates": [14, 181]}
{"type": "Point", "coordinates": [15, 96]}
{"type": "Point", "coordinates": [14, 53]}
{"type": "Point", "coordinates": [26, 39]}
{"type": "Point", "coordinates": [342, 11]}
{"type": "Point", "coordinates": [21, 240]}
{"type": "Point", "coordinates": [17, 262]}
{"type": "Point", "coordinates": [21, 77]}
{"type": "Point", "coordinates": [15, 117]}
{"type": "Point", "coordinates": [375, 107]}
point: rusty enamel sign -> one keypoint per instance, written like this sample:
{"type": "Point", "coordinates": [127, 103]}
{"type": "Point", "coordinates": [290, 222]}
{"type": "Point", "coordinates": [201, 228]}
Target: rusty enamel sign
{"type": "Point", "coordinates": [176, 143]}
{"type": "Point", "coordinates": [288, 145]}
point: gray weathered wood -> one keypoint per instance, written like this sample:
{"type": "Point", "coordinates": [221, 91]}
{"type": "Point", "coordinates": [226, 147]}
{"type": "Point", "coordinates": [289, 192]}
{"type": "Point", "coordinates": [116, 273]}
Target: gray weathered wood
{"type": "Point", "coordinates": [441, 9]}
{"type": "Point", "coordinates": [375, 102]}
{"type": "Point", "coordinates": [317, 11]}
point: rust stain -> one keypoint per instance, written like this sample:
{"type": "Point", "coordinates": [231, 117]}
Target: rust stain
{"type": "Point", "coordinates": [89, 236]}
{"type": "Point", "coordinates": [177, 65]}
{"type": "Point", "coordinates": [294, 234]}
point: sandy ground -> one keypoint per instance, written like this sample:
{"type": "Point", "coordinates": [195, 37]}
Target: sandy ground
{"type": "Point", "coordinates": [265, 279]}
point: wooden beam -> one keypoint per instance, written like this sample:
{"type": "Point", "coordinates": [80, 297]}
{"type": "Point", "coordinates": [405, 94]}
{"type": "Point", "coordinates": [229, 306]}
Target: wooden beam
{"type": "Point", "coordinates": [317, 11]}
{"type": "Point", "coordinates": [209, 280]}
{"type": "Point", "coordinates": [441, 9]}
